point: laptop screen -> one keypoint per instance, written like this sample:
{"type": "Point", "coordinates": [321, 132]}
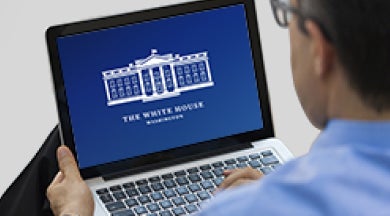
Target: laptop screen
{"type": "Point", "coordinates": [160, 84]}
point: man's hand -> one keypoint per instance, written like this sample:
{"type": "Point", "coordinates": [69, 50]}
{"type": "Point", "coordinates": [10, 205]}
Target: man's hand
{"type": "Point", "coordinates": [237, 177]}
{"type": "Point", "coordinates": [68, 193]}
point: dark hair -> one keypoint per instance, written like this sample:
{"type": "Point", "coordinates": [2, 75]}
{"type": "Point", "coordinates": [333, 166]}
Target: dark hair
{"type": "Point", "coordinates": [360, 32]}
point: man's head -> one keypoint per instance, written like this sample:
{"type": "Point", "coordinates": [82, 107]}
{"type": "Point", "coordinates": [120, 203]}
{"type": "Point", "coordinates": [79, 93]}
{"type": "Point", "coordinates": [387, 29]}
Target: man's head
{"type": "Point", "coordinates": [340, 49]}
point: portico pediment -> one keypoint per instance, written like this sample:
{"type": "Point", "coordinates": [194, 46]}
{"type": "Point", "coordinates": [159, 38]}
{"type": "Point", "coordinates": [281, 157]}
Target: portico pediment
{"type": "Point", "coordinates": [154, 59]}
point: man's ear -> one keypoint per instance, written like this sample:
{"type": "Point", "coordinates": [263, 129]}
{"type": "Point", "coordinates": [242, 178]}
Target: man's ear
{"type": "Point", "coordinates": [321, 50]}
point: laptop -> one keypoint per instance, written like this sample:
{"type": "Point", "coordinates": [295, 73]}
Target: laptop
{"type": "Point", "coordinates": [156, 104]}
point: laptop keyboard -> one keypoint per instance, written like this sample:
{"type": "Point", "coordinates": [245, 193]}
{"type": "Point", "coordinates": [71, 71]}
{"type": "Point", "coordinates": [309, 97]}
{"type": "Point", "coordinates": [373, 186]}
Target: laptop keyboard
{"type": "Point", "coordinates": [180, 192]}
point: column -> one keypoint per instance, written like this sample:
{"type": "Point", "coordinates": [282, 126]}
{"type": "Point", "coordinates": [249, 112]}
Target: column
{"type": "Point", "coordinates": [107, 89]}
{"type": "Point", "coordinates": [150, 70]}
{"type": "Point", "coordinates": [173, 72]}
{"type": "Point", "coordinates": [208, 70]}
{"type": "Point", "coordinates": [141, 82]}
{"type": "Point", "coordinates": [162, 74]}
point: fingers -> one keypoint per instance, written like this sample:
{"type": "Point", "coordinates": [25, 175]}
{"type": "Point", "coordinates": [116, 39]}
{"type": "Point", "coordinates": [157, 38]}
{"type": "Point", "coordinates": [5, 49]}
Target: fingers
{"type": "Point", "coordinates": [228, 172]}
{"type": "Point", "coordinates": [67, 163]}
{"type": "Point", "coordinates": [239, 176]}
{"type": "Point", "coordinates": [58, 178]}
{"type": "Point", "coordinates": [240, 182]}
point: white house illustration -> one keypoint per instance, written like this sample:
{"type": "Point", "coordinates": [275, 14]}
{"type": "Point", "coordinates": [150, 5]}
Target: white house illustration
{"type": "Point", "coordinates": [157, 77]}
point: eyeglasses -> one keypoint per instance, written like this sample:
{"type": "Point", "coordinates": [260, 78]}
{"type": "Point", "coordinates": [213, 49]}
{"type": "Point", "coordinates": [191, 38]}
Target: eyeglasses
{"type": "Point", "coordinates": [283, 13]}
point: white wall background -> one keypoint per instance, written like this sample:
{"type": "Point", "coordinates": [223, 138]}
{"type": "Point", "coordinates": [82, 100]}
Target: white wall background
{"type": "Point", "coordinates": [28, 111]}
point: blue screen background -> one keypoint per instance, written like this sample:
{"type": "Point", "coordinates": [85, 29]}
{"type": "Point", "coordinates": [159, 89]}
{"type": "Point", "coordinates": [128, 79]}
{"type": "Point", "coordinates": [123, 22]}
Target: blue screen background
{"type": "Point", "coordinates": [231, 105]}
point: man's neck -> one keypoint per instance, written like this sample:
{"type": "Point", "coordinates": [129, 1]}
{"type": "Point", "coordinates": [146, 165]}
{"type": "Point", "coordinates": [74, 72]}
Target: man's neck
{"type": "Point", "coordinates": [346, 103]}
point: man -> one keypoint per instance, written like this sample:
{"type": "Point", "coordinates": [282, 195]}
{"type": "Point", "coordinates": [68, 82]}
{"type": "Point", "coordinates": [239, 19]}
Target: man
{"type": "Point", "coordinates": [340, 54]}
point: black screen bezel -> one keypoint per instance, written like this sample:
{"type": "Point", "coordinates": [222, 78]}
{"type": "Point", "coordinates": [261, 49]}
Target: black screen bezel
{"type": "Point", "coordinates": [172, 156]}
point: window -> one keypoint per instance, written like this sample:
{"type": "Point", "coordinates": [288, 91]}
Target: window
{"type": "Point", "coordinates": [167, 73]}
{"type": "Point", "coordinates": [156, 74]}
{"type": "Point", "coordinates": [179, 71]}
{"type": "Point", "coordinates": [148, 86]}
{"type": "Point", "coordinates": [119, 82]}
{"type": "Point", "coordinates": [121, 92]}
{"type": "Point", "coordinates": [194, 68]}
{"type": "Point", "coordinates": [187, 69]}
{"type": "Point", "coordinates": [127, 81]}
{"type": "Point", "coordinates": [128, 91]}
{"type": "Point", "coordinates": [181, 81]}
{"type": "Point", "coordinates": [114, 95]}
{"type": "Point", "coordinates": [189, 79]}
{"type": "Point", "coordinates": [169, 82]}
{"type": "Point", "coordinates": [201, 66]}
{"type": "Point", "coordinates": [203, 76]}
{"type": "Point", "coordinates": [196, 78]}
{"type": "Point", "coordinates": [136, 90]}
{"type": "Point", "coordinates": [112, 84]}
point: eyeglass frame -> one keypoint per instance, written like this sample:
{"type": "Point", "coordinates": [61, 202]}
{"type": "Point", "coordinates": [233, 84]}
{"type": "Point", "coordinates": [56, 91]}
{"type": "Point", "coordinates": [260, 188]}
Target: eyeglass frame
{"type": "Point", "coordinates": [287, 8]}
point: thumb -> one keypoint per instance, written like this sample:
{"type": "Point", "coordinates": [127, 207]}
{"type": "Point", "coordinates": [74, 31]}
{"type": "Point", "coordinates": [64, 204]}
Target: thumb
{"type": "Point", "coordinates": [67, 163]}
